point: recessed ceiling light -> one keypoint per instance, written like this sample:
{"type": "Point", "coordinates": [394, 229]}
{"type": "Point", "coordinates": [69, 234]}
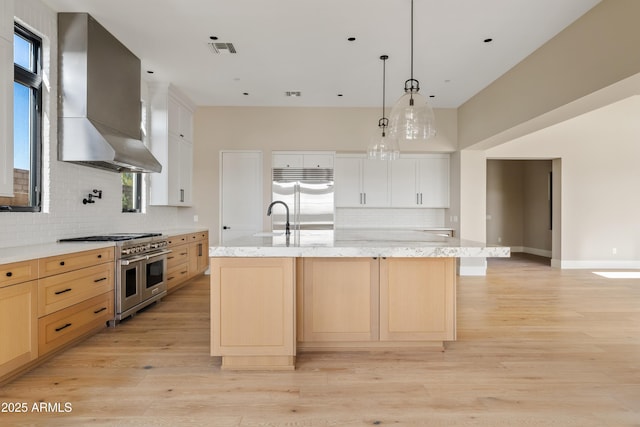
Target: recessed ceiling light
{"type": "Point", "coordinates": [245, 93]}
{"type": "Point", "coordinates": [351, 39]}
{"type": "Point", "coordinates": [293, 93]}
{"type": "Point", "coordinates": [432, 96]}
{"type": "Point", "coordinates": [339, 94]}
{"type": "Point", "coordinates": [488, 40]}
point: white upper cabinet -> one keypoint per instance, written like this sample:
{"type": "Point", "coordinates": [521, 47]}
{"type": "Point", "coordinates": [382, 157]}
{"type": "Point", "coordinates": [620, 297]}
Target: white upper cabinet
{"type": "Point", "coordinates": [420, 181]}
{"type": "Point", "coordinates": [299, 159]}
{"type": "Point", "coordinates": [6, 117]}
{"type": "Point", "coordinates": [6, 98]}
{"type": "Point", "coordinates": [280, 160]}
{"type": "Point", "coordinates": [360, 182]}
{"type": "Point", "coordinates": [171, 126]}
{"type": "Point", "coordinates": [6, 21]}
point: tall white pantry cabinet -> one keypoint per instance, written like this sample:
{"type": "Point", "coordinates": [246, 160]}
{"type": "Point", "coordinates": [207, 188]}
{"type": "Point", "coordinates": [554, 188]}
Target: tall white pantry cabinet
{"type": "Point", "coordinates": [6, 98]}
{"type": "Point", "coordinates": [171, 128]}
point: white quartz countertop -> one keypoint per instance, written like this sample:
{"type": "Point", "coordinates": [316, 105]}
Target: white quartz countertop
{"type": "Point", "coordinates": [356, 243]}
{"type": "Point", "coordinates": [24, 253]}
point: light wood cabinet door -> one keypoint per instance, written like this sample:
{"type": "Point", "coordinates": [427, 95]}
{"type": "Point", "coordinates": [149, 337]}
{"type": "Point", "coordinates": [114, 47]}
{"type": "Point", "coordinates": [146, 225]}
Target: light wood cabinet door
{"type": "Point", "coordinates": [18, 325]}
{"type": "Point", "coordinates": [417, 299]}
{"type": "Point", "coordinates": [340, 299]}
{"type": "Point", "coordinates": [252, 312]}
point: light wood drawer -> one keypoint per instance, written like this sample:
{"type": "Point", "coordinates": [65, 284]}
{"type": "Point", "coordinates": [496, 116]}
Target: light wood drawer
{"type": "Point", "coordinates": [63, 290]}
{"type": "Point", "coordinates": [177, 275]}
{"type": "Point", "coordinates": [18, 272]}
{"type": "Point", "coordinates": [179, 239]}
{"type": "Point", "coordinates": [194, 237]}
{"type": "Point", "coordinates": [179, 255]}
{"type": "Point", "coordinates": [66, 325]}
{"type": "Point", "coordinates": [73, 261]}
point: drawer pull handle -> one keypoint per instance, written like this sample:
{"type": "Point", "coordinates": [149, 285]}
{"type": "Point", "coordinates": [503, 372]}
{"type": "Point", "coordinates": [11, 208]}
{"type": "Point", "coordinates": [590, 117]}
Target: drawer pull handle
{"type": "Point", "coordinates": [183, 272]}
{"type": "Point", "coordinates": [63, 327]}
{"type": "Point", "coordinates": [61, 262]}
{"type": "Point", "coordinates": [170, 278]}
{"type": "Point", "coordinates": [62, 292]}
{"type": "Point", "coordinates": [170, 257]}
{"type": "Point", "coordinates": [100, 279]}
{"type": "Point", "coordinates": [99, 310]}
{"type": "Point", "coordinates": [9, 274]}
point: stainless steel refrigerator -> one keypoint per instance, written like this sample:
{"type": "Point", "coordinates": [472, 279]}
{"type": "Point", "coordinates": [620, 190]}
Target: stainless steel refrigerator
{"type": "Point", "coordinates": [309, 194]}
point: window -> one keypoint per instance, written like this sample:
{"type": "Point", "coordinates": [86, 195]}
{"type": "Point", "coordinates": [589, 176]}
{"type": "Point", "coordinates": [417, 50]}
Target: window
{"type": "Point", "coordinates": [131, 181]}
{"type": "Point", "coordinates": [131, 192]}
{"type": "Point", "coordinates": [27, 110]}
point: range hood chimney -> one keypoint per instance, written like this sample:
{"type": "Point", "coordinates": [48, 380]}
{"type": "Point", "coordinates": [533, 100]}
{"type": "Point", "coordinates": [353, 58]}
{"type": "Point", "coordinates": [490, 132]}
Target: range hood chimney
{"type": "Point", "coordinates": [99, 101]}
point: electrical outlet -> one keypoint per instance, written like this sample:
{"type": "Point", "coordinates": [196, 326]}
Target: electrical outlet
{"type": "Point", "coordinates": [614, 251]}
{"type": "Point", "coordinates": [499, 239]}
{"type": "Point", "coordinates": [195, 218]}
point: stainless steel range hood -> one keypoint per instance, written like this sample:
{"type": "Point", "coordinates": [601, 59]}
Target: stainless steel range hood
{"type": "Point", "coordinates": [99, 101]}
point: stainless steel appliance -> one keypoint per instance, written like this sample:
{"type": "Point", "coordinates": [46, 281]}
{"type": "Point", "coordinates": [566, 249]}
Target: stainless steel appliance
{"type": "Point", "coordinates": [309, 194]}
{"type": "Point", "coordinates": [141, 269]}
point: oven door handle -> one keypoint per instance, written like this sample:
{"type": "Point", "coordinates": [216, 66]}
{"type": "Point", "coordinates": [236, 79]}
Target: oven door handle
{"type": "Point", "coordinates": [144, 257]}
{"type": "Point", "coordinates": [157, 254]}
{"type": "Point", "coordinates": [132, 260]}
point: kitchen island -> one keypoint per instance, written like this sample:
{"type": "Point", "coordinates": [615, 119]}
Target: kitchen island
{"type": "Point", "coordinates": [274, 295]}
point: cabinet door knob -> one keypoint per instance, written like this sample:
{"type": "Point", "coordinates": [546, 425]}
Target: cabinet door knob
{"type": "Point", "coordinates": [9, 274]}
{"type": "Point", "coordinates": [61, 262]}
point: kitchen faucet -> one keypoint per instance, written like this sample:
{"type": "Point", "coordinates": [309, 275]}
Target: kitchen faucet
{"type": "Point", "coordinates": [287, 232]}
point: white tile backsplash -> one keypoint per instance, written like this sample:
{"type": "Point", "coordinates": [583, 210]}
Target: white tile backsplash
{"type": "Point", "coordinates": [389, 218]}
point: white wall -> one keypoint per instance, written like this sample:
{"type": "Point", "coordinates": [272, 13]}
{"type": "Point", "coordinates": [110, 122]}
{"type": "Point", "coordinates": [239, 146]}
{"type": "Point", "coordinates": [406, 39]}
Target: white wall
{"type": "Point", "coordinates": [66, 184]}
{"type": "Point", "coordinates": [600, 197]}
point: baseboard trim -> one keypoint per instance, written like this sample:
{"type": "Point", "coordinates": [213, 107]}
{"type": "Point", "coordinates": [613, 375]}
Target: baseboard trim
{"type": "Point", "coordinates": [603, 264]}
{"type": "Point", "coordinates": [533, 251]}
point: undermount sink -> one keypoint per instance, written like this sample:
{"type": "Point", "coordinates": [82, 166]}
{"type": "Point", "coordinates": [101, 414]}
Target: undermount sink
{"type": "Point", "coordinates": [268, 233]}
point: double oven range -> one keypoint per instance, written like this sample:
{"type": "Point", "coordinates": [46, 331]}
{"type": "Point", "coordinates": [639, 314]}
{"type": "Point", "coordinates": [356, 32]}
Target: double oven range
{"type": "Point", "coordinates": [141, 269]}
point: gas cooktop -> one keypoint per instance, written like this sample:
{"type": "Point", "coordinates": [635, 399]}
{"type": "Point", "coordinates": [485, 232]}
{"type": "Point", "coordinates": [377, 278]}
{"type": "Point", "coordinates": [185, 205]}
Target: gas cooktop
{"type": "Point", "coordinates": [116, 237]}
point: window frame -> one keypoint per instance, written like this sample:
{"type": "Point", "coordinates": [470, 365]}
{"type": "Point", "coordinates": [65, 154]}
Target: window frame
{"type": "Point", "coordinates": [33, 81]}
{"type": "Point", "coordinates": [137, 193]}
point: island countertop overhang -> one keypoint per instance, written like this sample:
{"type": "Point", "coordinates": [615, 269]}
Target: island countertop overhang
{"type": "Point", "coordinates": [357, 243]}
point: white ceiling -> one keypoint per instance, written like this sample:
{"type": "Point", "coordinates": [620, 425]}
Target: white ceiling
{"type": "Point", "coordinates": [301, 45]}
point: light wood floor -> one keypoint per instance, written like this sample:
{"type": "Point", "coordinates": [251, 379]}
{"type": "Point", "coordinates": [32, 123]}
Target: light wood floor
{"type": "Point", "coordinates": [536, 347]}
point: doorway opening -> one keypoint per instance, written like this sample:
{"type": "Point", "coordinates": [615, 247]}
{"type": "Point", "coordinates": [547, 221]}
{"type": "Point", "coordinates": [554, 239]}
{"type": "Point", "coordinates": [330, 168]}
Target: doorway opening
{"type": "Point", "coordinates": [523, 209]}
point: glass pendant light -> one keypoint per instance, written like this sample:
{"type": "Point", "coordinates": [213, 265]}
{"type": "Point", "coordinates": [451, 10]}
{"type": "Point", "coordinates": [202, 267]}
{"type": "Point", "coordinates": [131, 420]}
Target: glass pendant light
{"type": "Point", "coordinates": [383, 146]}
{"type": "Point", "coordinates": [412, 117]}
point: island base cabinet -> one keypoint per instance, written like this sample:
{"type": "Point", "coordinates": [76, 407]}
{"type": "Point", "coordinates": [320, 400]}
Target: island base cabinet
{"type": "Point", "coordinates": [417, 299]}
{"type": "Point", "coordinates": [340, 298]}
{"type": "Point", "coordinates": [375, 303]}
{"type": "Point", "coordinates": [253, 313]}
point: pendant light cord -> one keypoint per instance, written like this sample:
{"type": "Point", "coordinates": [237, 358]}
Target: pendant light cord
{"type": "Point", "coordinates": [411, 39]}
{"type": "Point", "coordinates": [383, 122]}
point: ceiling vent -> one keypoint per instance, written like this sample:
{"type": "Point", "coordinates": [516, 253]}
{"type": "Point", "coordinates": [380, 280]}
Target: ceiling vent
{"type": "Point", "coordinates": [293, 93]}
{"type": "Point", "coordinates": [220, 48]}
